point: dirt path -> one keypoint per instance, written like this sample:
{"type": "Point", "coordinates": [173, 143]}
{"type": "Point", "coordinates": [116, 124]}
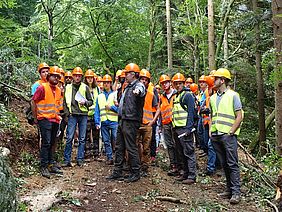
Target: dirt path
{"type": "Point", "coordinates": [85, 189]}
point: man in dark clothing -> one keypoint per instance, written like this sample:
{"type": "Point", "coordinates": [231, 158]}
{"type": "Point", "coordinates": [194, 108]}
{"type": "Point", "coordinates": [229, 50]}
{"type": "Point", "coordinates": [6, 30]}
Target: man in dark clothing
{"type": "Point", "coordinates": [77, 100]}
{"type": "Point", "coordinates": [130, 116]}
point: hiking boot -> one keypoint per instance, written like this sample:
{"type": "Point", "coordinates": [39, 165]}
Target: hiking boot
{"type": "Point", "coordinates": [225, 194]}
{"type": "Point", "coordinates": [54, 169]}
{"type": "Point", "coordinates": [235, 199]}
{"type": "Point", "coordinates": [115, 176]}
{"type": "Point", "coordinates": [109, 162]}
{"type": "Point", "coordinates": [133, 178]}
{"type": "Point", "coordinates": [208, 173]}
{"type": "Point", "coordinates": [189, 181]}
{"type": "Point", "coordinates": [67, 164]}
{"type": "Point", "coordinates": [180, 178]}
{"type": "Point", "coordinates": [45, 172]}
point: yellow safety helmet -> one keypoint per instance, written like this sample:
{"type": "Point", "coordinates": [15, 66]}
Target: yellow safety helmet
{"type": "Point", "coordinates": [222, 72]}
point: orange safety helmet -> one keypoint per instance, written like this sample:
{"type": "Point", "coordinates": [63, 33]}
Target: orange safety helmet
{"type": "Point", "coordinates": [68, 74]}
{"type": "Point", "coordinates": [194, 87]}
{"type": "Point", "coordinates": [189, 79]}
{"type": "Point", "coordinates": [118, 73]}
{"type": "Point", "coordinates": [99, 79]}
{"type": "Point", "coordinates": [178, 78]}
{"type": "Point", "coordinates": [89, 73]}
{"type": "Point", "coordinates": [145, 73]}
{"type": "Point", "coordinates": [62, 72]}
{"type": "Point", "coordinates": [55, 70]}
{"type": "Point", "coordinates": [202, 78]}
{"type": "Point", "coordinates": [107, 78]}
{"type": "Point", "coordinates": [210, 81]}
{"type": "Point", "coordinates": [42, 65]}
{"type": "Point", "coordinates": [164, 78]}
{"type": "Point", "coordinates": [132, 67]}
{"type": "Point", "coordinates": [122, 74]}
{"type": "Point", "coordinates": [77, 71]}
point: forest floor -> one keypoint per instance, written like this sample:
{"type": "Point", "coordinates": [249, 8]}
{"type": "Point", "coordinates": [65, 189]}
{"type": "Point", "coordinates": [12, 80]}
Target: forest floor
{"type": "Point", "coordinates": [86, 189]}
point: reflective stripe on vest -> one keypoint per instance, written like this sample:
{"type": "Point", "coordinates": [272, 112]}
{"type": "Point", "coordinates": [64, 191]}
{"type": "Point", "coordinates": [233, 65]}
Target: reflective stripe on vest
{"type": "Point", "coordinates": [49, 106]}
{"type": "Point", "coordinates": [179, 115]}
{"type": "Point", "coordinates": [166, 109]}
{"type": "Point", "coordinates": [148, 109]}
{"type": "Point", "coordinates": [68, 96]}
{"type": "Point", "coordinates": [94, 97]}
{"type": "Point", "coordinates": [107, 114]}
{"type": "Point", "coordinates": [223, 116]}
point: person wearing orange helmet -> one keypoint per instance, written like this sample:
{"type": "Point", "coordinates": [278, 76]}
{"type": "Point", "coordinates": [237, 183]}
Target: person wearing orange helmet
{"type": "Point", "coordinates": [166, 105]}
{"type": "Point", "coordinates": [106, 117]}
{"type": "Point", "coordinates": [188, 82]}
{"type": "Point", "coordinates": [226, 119]}
{"type": "Point", "coordinates": [45, 109]}
{"type": "Point", "coordinates": [151, 112]}
{"type": "Point", "coordinates": [77, 101]}
{"type": "Point", "coordinates": [130, 115]}
{"type": "Point", "coordinates": [68, 77]}
{"type": "Point", "coordinates": [204, 120]}
{"type": "Point", "coordinates": [43, 69]}
{"type": "Point", "coordinates": [183, 115]}
{"type": "Point", "coordinates": [92, 133]}
{"type": "Point", "coordinates": [121, 79]}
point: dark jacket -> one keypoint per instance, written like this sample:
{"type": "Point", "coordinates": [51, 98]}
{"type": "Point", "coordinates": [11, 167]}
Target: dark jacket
{"type": "Point", "coordinates": [132, 105]}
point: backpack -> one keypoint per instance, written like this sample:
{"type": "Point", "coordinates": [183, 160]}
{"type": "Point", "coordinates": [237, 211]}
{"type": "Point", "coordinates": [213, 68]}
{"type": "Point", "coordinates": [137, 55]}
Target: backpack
{"type": "Point", "coordinates": [28, 115]}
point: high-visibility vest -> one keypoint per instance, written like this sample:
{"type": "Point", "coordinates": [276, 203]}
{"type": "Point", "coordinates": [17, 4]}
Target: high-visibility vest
{"type": "Point", "coordinates": [40, 82]}
{"type": "Point", "coordinates": [166, 109]}
{"type": "Point", "coordinates": [49, 106]}
{"type": "Point", "coordinates": [94, 97]}
{"type": "Point", "coordinates": [179, 115]}
{"type": "Point", "coordinates": [223, 116]}
{"type": "Point", "coordinates": [68, 96]}
{"type": "Point", "coordinates": [148, 108]}
{"type": "Point", "coordinates": [107, 114]}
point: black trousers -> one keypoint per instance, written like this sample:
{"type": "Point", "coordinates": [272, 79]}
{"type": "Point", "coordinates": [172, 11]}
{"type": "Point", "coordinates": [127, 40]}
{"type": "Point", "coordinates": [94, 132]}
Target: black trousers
{"type": "Point", "coordinates": [226, 151]}
{"type": "Point", "coordinates": [126, 140]}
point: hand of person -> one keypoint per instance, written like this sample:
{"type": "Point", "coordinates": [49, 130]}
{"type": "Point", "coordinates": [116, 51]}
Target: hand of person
{"type": "Point", "coordinates": [97, 127]}
{"type": "Point", "coordinates": [150, 123]}
{"type": "Point", "coordinates": [82, 102]}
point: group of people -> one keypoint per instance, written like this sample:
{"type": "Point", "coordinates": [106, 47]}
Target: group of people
{"type": "Point", "coordinates": [127, 111]}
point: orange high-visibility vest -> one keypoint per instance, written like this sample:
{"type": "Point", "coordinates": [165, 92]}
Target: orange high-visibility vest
{"type": "Point", "coordinates": [49, 107]}
{"type": "Point", "coordinates": [41, 81]}
{"type": "Point", "coordinates": [166, 109]}
{"type": "Point", "coordinates": [148, 109]}
{"type": "Point", "coordinates": [206, 118]}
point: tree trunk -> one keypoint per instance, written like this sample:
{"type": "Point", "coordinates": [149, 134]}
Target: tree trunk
{"type": "Point", "coordinates": [50, 34]}
{"type": "Point", "coordinates": [277, 30]}
{"type": "Point", "coordinates": [169, 35]}
{"type": "Point", "coordinates": [260, 89]}
{"type": "Point", "coordinates": [152, 31]}
{"type": "Point", "coordinates": [211, 36]}
{"type": "Point", "coordinates": [225, 47]}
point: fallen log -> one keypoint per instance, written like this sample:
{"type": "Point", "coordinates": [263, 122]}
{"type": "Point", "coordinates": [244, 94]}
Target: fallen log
{"type": "Point", "coordinates": [171, 199]}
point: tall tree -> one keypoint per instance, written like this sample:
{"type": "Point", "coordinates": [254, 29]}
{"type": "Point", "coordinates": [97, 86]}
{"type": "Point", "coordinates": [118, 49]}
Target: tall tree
{"type": "Point", "coordinates": [169, 35]}
{"type": "Point", "coordinates": [277, 30]}
{"type": "Point", "coordinates": [211, 39]}
{"type": "Point", "coordinates": [260, 89]}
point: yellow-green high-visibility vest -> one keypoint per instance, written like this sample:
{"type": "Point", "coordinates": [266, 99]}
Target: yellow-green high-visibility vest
{"type": "Point", "coordinates": [179, 115]}
{"type": "Point", "coordinates": [223, 115]}
{"type": "Point", "coordinates": [107, 114]}
{"type": "Point", "coordinates": [94, 97]}
{"type": "Point", "coordinates": [68, 96]}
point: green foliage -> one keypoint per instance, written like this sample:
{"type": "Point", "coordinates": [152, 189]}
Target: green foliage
{"type": "Point", "coordinates": [8, 120]}
{"type": "Point", "coordinates": [27, 164]}
{"type": "Point", "coordinates": [8, 197]}
{"type": "Point", "coordinates": [276, 75]}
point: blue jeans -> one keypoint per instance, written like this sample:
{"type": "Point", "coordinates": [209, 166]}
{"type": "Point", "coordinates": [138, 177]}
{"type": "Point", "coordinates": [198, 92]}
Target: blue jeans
{"type": "Point", "coordinates": [48, 132]}
{"type": "Point", "coordinates": [73, 120]}
{"type": "Point", "coordinates": [109, 135]}
{"type": "Point", "coordinates": [211, 157]}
